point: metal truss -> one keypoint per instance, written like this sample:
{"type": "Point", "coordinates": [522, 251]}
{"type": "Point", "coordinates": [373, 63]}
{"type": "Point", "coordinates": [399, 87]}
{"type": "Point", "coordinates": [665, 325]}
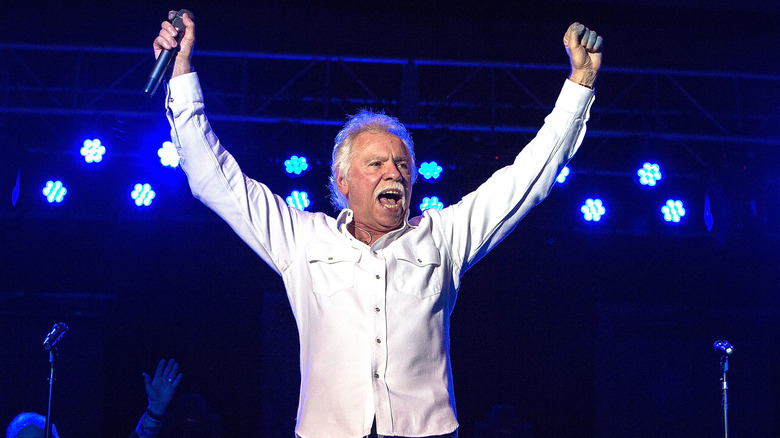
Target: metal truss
{"type": "Point", "coordinates": [432, 95]}
{"type": "Point", "coordinates": [708, 123]}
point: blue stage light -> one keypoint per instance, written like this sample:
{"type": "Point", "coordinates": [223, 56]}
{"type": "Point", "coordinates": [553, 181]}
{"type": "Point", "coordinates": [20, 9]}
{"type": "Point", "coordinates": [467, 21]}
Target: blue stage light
{"type": "Point", "coordinates": [593, 210]}
{"type": "Point", "coordinates": [296, 165]}
{"type": "Point", "coordinates": [673, 210]}
{"type": "Point", "coordinates": [142, 195]}
{"type": "Point", "coordinates": [649, 174]}
{"type": "Point", "coordinates": [299, 200]}
{"type": "Point", "coordinates": [168, 155]}
{"type": "Point", "coordinates": [54, 191]}
{"type": "Point", "coordinates": [431, 202]}
{"type": "Point", "coordinates": [561, 178]}
{"type": "Point", "coordinates": [430, 170]}
{"type": "Point", "coordinates": [93, 151]}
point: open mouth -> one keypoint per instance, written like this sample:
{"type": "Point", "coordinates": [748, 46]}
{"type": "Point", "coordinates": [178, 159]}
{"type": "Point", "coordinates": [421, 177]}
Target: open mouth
{"type": "Point", "coordinates": [391, 199]}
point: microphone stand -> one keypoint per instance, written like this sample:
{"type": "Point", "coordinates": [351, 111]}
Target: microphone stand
{"type": "Point", "coordinates": [724, 366]}
{"type": "Point", "coordinates": [52, 355]}
{"type": "Point", "coordinates": [50, 344]}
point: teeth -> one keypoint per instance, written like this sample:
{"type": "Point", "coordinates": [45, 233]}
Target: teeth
{"type": "Point", "coordinates": [394, 189]}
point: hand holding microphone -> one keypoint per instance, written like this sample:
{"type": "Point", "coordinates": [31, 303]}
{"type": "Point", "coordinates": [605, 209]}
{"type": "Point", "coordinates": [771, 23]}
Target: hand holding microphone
{"type": "Point", "coordinates": [175, 41]}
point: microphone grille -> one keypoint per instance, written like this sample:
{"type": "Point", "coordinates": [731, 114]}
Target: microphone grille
{"type": "Point", "coordinates": [724, 347]}
{"type": "Point", "coordinates": [178, 22]}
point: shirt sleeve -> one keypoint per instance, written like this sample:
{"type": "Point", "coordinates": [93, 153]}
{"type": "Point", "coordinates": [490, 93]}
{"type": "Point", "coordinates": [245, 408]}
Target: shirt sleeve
{"type": "Point", "coordinates": [147, 427]}
{"type": "Point", "coordinates": [262, 219]}
{"type": "Point", "coordinates": [485, 216]}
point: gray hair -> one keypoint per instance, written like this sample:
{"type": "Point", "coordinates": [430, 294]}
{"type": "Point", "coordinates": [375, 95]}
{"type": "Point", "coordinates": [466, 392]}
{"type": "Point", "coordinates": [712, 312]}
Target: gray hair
{"type": "Point", "coordinates": [364, 121]}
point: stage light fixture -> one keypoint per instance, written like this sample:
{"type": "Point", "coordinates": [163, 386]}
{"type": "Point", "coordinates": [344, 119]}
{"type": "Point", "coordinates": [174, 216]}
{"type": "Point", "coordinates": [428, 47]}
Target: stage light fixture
{"type": "Point", "coordinates": [142, 195]}
{"type": "Point", "coordinates": [299, 200]}
{"type": "Point", "coordinates": [673, 210]}
{"type": "Point", "coordinates": [93, 151]}
{"type": "Point", "coordinates": [593, 210]}
{"type": "Point", "coordinates": [168, 155]}
{"type": "Point", "coordinates": [430, 170]}
{"type": "Point", "coordinates": [561, 178]}
{"type": "Point", "coordinates": [649, 174]}
{"type": "Point", "coordinates": [296, 165]}
{"type": "Point", "coordinates": [54, 192]}
{"type": "Point", "coordinates": [431, 202]}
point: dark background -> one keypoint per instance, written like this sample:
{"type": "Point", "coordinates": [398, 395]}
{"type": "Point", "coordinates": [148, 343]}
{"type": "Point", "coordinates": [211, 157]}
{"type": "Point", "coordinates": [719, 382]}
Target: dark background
{"type": "Point", "coordinates": [587, 332]}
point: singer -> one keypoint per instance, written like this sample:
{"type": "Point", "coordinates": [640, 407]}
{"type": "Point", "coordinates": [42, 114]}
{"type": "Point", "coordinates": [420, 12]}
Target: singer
{"type": "Point", "coordinates": [372, 290]}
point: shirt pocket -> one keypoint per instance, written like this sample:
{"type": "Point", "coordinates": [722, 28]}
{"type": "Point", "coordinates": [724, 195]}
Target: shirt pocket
{"type": "Point", "coordinates": [332, 269]}
{"type": "Point", "coordinates": [418, 271]}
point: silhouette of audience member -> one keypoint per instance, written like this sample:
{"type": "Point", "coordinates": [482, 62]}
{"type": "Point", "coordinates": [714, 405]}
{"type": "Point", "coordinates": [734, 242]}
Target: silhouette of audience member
{"type": "Point", "coordinates": [29, 425]}
{"type": "Point", "coordinates": [191, 417]}
{"type": "Point", "coordinates": [159, 392]}
{"type": "Point", "coordinates": [503, 422]}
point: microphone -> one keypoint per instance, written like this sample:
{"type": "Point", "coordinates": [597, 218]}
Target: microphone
{"type": "Point", "coordinates": [724, 348]}
{"type": "Point", "coordinates": [166, 56]}
{"type": "Point", "coordinates": [54, 335]}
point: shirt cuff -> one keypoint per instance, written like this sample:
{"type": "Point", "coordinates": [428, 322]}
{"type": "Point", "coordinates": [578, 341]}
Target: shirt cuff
{"type": "Point", "coordinates": [147, 427]}
{"type": "Point", "coordinates": [184, 90]}
{"type": "Point", "coordinates": [574, 98]}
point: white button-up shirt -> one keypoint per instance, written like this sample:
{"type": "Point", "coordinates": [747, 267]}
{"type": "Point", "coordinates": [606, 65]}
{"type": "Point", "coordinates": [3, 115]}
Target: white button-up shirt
{"type": "Point", "coordinates": [373, 321]}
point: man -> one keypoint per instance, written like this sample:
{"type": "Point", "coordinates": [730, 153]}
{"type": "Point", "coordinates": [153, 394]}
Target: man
{"type": "Point", "coordinates": [372, 290]}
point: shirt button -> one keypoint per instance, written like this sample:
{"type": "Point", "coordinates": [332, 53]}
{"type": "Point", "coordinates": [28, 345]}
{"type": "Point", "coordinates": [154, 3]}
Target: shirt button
{"type": "Point", "coordinates": [330, 258]}
{"type": "Point", "coordinates": [378, 341]}
{"type": "Point", "coordinates": [419, 261]}
{"type": "Point", "coordinates": [377, 276]}
{"type": "Point", "coordinates": [376, 376]}
{"type": "Point", "coordinates": [376, 309]}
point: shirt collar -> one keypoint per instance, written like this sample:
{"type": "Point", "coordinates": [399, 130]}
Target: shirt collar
{"type": "Point", "coordinates": [346, 216]}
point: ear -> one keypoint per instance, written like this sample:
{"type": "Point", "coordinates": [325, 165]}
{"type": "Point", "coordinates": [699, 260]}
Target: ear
{"type": "Point", "coordinates": [341, 182]}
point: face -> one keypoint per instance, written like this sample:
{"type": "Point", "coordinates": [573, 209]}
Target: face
{"type": "Point", "coordinates": [378, 187]}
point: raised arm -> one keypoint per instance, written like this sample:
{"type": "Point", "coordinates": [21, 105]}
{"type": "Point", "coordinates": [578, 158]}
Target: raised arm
{"type": "Point", "coordinates": [487, 215]}
{"type": "Point", "coordinates": [262, 219]}
{"type": "Point", "coordinates": [159, 391]}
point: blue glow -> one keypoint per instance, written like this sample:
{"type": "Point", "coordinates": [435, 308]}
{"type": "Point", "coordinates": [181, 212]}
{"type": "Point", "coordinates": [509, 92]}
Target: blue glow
{"type": "Point", "coordinates": [93, 151]}
{"type": "Point", "coordinates": [649, 174]}
{"type": "Point", "coordinates": [296, 165]}
{"type": "Point", "coordinates": [431, 202]}
{"type": "Point", "coordinates": [593, 210]}
{"type": "Point", "coordinates": [299, 200]}
{"type": "Point", "coordinates": [430, 170]}
{"type": "Point", "coordinates": [708, 219]}
{"type": "Point", "coordinates": [143, 195]}
{"type": "Point", "coordinates": [673, 210]}
{"type": "Point", "coordinates": [54, 191]}
{"type": "Point", "coordinates": [168, 155]}
{"type": "Point", "coordinates": [562, 176]}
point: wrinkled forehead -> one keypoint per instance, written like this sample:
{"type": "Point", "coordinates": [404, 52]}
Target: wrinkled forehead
{"type": "Point", "coordinates": [380, 143]}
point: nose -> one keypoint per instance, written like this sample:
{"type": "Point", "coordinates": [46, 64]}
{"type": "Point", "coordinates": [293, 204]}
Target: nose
{"type": "Point", "coordinates": [393, 172]}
